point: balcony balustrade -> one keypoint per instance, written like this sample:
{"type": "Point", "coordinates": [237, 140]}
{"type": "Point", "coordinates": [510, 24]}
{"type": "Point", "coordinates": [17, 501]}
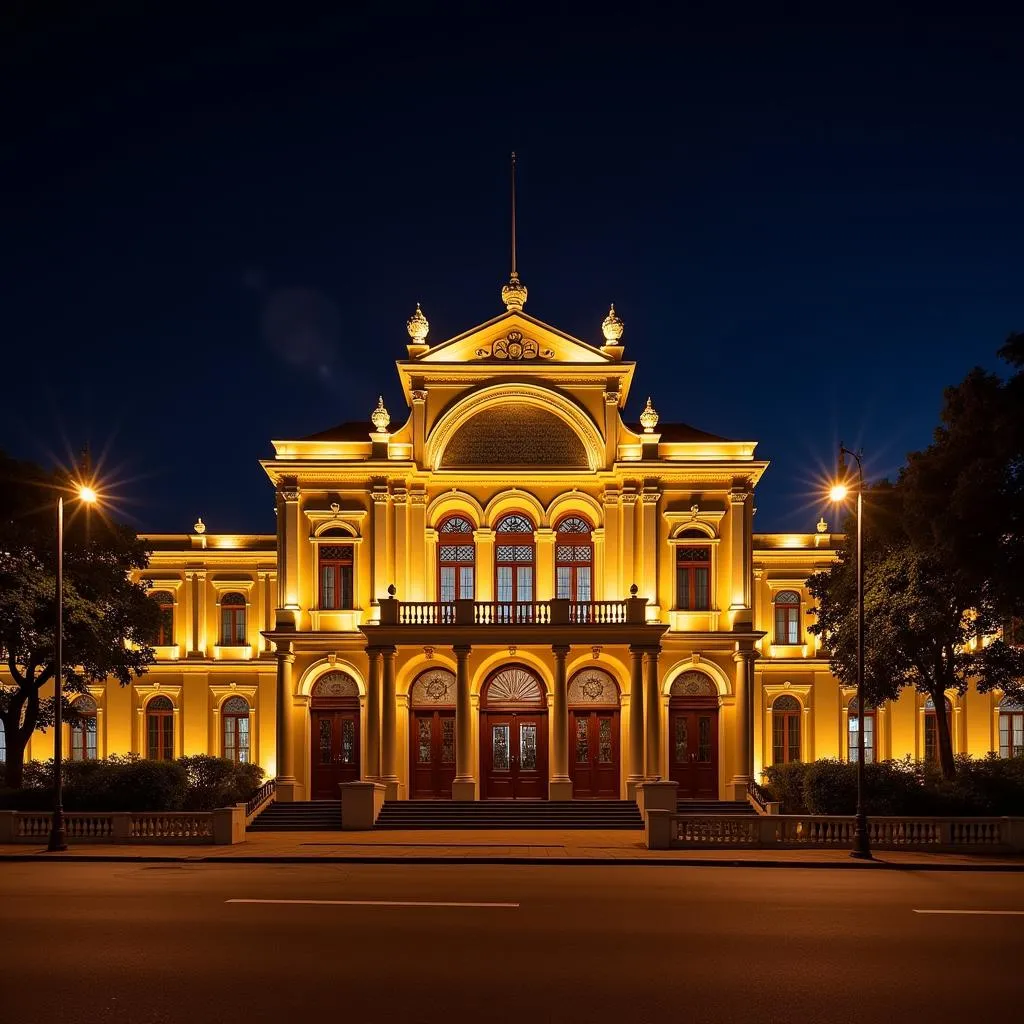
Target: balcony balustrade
{"type": "Point", "coordinates": [556, 612]}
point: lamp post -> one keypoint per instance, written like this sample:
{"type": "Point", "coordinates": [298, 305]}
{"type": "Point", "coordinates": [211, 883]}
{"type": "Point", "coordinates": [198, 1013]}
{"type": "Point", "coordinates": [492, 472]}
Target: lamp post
{"type": "Point", "coordinates": [58, 836]}
{"type": "Point", "coordinates": [861, 843]}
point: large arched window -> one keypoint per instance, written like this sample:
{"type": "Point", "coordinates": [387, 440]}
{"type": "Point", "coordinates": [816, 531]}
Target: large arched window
{"type": "Point", "coordinates": [160, 729]}
{"type": "Point", "coordinates": [1011, 727]}
{"type": "Point", "coordinates": [83, 730]}
{"type": "Point", "coordinates": [513, 565]}
{"type": "Point", "coordinates": [693, 573]}
{"type": "Point", "coordinates": [931, 728]}
{"type": "Point", "coordinates": [165, 631]}
{"type": "Point", "coordinates": [456, 564]}
{"type": "Point", "coordinates": [232, 620]}
{"type": "Point", "coordinates": [234, 713]}
{"type": "Point", "coordinates": [853, 721]}
{"type": "Point", "coordinates": [787, 617]}
{"type": "Point", "coordinates": [336, 571]}
{"type": "Point", "coordinates": [574, 561]}
{"type": "Point", "coordinates": [785, 729]}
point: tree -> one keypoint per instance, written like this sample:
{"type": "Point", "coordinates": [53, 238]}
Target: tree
{"type": "Point", "coordinates": [109, 622]}
{"type": "Point", "coordinates": [943, 559]}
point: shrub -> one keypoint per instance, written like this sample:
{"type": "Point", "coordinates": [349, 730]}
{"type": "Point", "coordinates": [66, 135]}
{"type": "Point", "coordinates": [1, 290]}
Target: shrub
{"type": "Point", "coordinates": [218, 782]}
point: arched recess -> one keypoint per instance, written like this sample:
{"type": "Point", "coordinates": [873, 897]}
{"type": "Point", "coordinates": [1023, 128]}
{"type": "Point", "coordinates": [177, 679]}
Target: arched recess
{"type": "Point", "coordinates": [335, 732]}
{"type": "Point", "coordinates": [515, 500]}
{"type": "Point", "coordinates": [569, 502]}
{"type": "Point", "coordinates": [501, 396]}
{"type": "Point", "coordinates": [594, 734]}
{"type": "Point", "coordinates": [322, 667]}
{"type": "Point", "coordinates": [333, 528]}
{"type": "Point", "coordinates": [694, 530]}
{"type": "Point", "coordinates": [721, 681]}
{"type": "Point", "coordinates": [455, 503]}
{"type": "Point", "coordinates": [432, 734]}
{"type": "Point", "coordinates": [695, 726]}
{"type": "Point", "coordinates": [514, 734]}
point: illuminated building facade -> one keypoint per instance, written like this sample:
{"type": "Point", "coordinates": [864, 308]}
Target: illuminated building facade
{"type": "Point", "coordinates": [516, 593]}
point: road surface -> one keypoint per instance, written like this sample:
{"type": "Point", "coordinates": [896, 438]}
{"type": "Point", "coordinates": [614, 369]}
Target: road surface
{"type": "Point", "coordinates": [152, 943]}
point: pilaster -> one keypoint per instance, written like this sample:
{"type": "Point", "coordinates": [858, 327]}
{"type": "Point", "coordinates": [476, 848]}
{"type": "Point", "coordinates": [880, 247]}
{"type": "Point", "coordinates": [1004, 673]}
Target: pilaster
{"type": "Point", "coordinates": [627, 539]}
{"type": "Point", "coordinates": [613, 584]}
{"type": "Point", "coordinates": [648, 580]}
{"type": "Point", "coordinates": [400, 501]}
{"type": "Point", "coordinates": [379, 580]}
{"type": "Point", "coordinates": [560, 785]}
{"type": "Point", "coordinates": [484, 575]}
{"type": "Point", "coordinates": [544, 581]}
{"type": "Point", "coordinates": [417, 584]}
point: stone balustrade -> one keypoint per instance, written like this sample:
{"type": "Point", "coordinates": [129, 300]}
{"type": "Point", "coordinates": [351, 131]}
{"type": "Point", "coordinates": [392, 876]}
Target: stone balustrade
{"type": "Point", "coordinates": [667, 830]}
{"type": "Point", "coordinates": [222, 827]}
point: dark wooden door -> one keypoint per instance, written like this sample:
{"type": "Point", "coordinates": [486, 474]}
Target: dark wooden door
{"type": "Point", "coordinates": [432, 755]}
{"type": "Point", "coordinates": [693, 751]}
{"type": "Point", "coordinates": [335, 751]}
{"type": "Point", "coordinates": [594, 736]}
{"type": "Point", "coordinates": [514, 755]}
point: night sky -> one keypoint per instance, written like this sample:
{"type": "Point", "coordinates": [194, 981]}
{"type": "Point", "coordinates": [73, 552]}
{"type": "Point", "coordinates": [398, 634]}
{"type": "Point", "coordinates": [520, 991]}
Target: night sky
{"type": "Point", "coordinates": [214, 229]}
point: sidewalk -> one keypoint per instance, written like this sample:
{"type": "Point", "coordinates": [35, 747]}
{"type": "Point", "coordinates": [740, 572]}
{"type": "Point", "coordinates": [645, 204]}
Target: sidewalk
{"type": "Point", "coordinates": [499, 847]}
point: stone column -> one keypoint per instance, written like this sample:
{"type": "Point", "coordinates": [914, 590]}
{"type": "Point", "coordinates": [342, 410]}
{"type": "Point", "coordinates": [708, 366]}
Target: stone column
{"type": "Point", "coordinates": [387, 740]}
{"type": "Point", "coordinates": [560, 785]}
{"type": "Point", "coordinates": [653, 715]}
{"type": "Point", "coordinates": [373, 716]}
{"type": "Point", "coordinates": [464, 786]}
{"type": "Point", "coordinates": [636, 722]}
{"type": "Point", "coordinates": [286, 784]}
{"type": "Point", "coordinates": [744, 765]}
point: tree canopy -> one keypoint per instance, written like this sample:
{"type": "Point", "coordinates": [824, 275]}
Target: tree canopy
{"type": "Point", "coordinates": [109, 622]}
{"type": "Point", "coordinates": [943, 558]}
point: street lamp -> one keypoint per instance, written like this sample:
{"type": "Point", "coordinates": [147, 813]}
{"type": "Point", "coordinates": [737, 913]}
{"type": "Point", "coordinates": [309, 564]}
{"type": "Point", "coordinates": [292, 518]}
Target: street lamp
{"type": "Point", "coordinates": [58, 837]}
{"type": "Point", "coordinates": [839, 492]}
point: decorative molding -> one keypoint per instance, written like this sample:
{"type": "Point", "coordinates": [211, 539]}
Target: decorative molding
{"type": "Point", "coordinates": [593, 686]}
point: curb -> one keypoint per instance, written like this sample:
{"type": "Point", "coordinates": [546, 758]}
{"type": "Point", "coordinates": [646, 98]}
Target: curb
{"type": "Point", "coordinates": [877, 865]}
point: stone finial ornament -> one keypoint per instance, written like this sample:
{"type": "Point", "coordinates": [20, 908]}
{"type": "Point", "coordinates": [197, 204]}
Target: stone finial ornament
{"type": "Point", "coordinates": [417, 325]}
{"type": "Point", "coordinates": [380, 416]}
{"type": "Point", "coordinates": [612, 327]}
{"type": "Point", "coordinates": [514, 293]}
{"type": "Point", "coordinates": [199, 526]}
{"type": "Point", "coordinates": [822, 525]}
{"type": "Point", "coordinates": [649, 418]}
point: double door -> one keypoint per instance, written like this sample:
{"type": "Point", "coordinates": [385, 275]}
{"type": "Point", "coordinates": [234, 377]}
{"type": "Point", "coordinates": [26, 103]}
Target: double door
{"type": "Point", "coordinates": [335, 740]}
{"type": "Point", "coordinates": [693, 751]}
{"type": "Point", "coordinates": [514, 755]}
{"type": "Point", "coordinates": [594, 750]}
{"type": "Point", "coordinates": [432, 758]}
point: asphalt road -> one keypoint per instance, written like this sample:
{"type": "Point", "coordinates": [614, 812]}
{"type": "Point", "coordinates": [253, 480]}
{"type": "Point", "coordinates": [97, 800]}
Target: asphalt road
{"type": "Point", "coordinates": [102, 943]}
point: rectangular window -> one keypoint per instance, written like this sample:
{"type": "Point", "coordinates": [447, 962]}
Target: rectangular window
{"type": "Point", "coordinates": [563, 582]}
{"type": "Point", "coordinates": [466, 582]}
{"type": "Point", "coordinates": [447, 584]}
{"type": "Point", "coordinates": [778, 739]}
{"type": "Point", "coordinates": [524, 583]}
{"type": "Point", "coordinates": [693, 578]}
{"type": "Point", "coordinates": [583, 589]}
{"type": "Point", "coordinates": [165, 637]}
{"type": "Point", "coordinates": [504, 583]}
{"type": "Point", "coordinates": [336, 576]}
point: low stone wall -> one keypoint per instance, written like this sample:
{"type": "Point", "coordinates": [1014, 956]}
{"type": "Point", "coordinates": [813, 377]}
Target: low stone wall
{"type": "Point", "coordinates": [666, 830]}
{"type": "Point", "coordinates": [222, 827]}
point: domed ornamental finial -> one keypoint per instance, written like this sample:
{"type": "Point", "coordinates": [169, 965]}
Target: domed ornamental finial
{"type": "Point", "coordinates": [514, 293]}
{"type": "Point", "coordinates": [199, 526]}
{"type": "Point", "coordinates": [649, 418]}
{"type": "Point", "coordinates": [380, 416]}
{"type": "Point", "coordinates": [822, 525]}
{"type": "Point", "coordinates": [612, 327]}
{"type": "Point", "coordinates": [418, 326]}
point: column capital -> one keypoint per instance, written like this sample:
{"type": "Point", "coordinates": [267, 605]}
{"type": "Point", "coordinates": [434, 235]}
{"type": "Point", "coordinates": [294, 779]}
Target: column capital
{"type": "Point", "coordinates": [746, 654]}
{"type": "Point", "coordinates": [462, 650]}
{"type": "Point", "coordinates": [560, 650]}
{"type": "Point", "coordinates": [419, 395]}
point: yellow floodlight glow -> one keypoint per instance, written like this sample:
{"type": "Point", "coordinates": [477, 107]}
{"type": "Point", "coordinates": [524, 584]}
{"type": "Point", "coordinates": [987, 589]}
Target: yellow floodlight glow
{"type": "Point", "coordinates": [88, 495]}
{"type": "Point", "coordinates": [839, 492]}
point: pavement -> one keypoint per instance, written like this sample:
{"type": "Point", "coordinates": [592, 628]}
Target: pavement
{"type": "Point", "coordinates": [493, 846]}
{"type": "Point", "coordinates": [126, 943]}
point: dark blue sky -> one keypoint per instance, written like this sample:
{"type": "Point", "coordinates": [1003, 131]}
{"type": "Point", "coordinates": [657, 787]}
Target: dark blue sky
{"type": "Point", "coordinates": [214, 229]}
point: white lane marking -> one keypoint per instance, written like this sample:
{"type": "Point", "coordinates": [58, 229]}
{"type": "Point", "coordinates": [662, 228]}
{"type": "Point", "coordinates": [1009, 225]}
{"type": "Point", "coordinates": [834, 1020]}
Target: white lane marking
{"type": "Point", "coordinates": [375, 903]}
{"type": "Point", "coordinates": [988, 913]}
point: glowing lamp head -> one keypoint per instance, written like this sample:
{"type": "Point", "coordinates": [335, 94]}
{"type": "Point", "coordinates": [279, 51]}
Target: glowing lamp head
{"type": "Point", "coordinates": [88, 495]}
{"type": "Point", "coordinates": [839, 492]}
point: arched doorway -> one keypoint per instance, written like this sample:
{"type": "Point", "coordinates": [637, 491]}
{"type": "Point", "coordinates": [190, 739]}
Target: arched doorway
{"type": "Point", "coordinates": [334, 707]}
{"type": "Point", "coordinates": [594, 735]}
{"type": "Point", "coordinates": [693, 736]}
{"type": "Point", "coordinates": [513, 736]}
{"type": "Point", "coordinates": [432, 735]}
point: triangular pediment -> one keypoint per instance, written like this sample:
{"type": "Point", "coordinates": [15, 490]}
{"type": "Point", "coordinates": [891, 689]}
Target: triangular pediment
{"type": "Point", "coordinates": [515, 337]}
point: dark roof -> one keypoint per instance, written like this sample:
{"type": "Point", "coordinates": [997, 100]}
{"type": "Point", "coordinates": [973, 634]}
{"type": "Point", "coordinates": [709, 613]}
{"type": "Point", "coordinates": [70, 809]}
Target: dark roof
{"type": "Point", "coordinates": [351, 431]}
{"type": "Point", "coordinates": [678, 432]}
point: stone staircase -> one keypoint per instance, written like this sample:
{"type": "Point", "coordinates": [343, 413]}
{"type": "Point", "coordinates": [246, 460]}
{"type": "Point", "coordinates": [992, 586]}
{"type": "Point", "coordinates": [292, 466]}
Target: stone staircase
{"type": "Point", "coordinates": [509, 814]}
{"type": "Point", "coordinates": [301, 816]}
{"type": "Point", "coordinates": [714, 807]}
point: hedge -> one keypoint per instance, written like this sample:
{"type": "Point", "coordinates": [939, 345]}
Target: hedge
{"type": "Point", "coordinates": [131, 783]}
{"type": "Point", "coordinates": [983, 786]}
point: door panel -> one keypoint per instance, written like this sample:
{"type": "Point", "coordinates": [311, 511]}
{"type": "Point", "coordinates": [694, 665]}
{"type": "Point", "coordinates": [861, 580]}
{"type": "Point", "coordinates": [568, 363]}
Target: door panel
{"type": "Point", "coordinates": [513, 756]}
{"type": "Point", "coordinates": [335, 739]}
{"type": "Point", "coordinates": [693, 751]}
{"type": "Point", "coordinates": [594, 738]}
{"type": "Point", "coordinates": [432, 757]}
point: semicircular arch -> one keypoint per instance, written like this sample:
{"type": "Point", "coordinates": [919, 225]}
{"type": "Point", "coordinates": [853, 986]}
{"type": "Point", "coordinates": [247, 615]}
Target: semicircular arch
{"type": "Point", "coordinates": [719, 679]}
{"type": "Point", "coordinates": [304, 687]}
{"type": "Point", "coordinates": [513, 684]}
{"type": "Point", "coordinates": [452, 503]}
{"type": "Point", "coordinates": [515, 500]}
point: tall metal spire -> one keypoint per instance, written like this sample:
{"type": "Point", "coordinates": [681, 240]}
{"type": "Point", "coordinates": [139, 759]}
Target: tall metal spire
{"type": "Point", "coordinates": [514, 293]}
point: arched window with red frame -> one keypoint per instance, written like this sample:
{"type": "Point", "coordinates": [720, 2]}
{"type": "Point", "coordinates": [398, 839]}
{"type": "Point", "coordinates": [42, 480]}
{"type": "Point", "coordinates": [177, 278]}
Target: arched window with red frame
{"type": "Point", "coordinates": [456, 564]}
{"type": "Point", "coordinates": [1011, 727]}
{"type": "Point", "coordinates": [165, 629]}
{"type": "Point", "coordinates": [234, 713]}
{"type": "Point", "coordinates": [335, 575]}
{"type": "Point", "coordinates": [232, 620]}
{"type": "Point", "coordinates": [787, 617]}
{"type": "Point", "coordinates": [574, 564]}
{"type": "Point", "coordinates": [693, 573]}
{"type": "Point", "coordinates": [514, 559]}
{"type": "Point", "coordinates": [931, 728]}
{"type": "Point", "coordinates": [160, 729]}
{"type": "Point", "coordinates": [786, 726]}
{"type": "Point", "coordinates": [853, 724]}
{"type": "Point", "coordinates": [83, 729]}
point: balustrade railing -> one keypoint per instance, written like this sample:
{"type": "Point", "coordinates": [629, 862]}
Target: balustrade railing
{"type": "Point", "coordinates": [260, 799]}
{"type": "Point", "coordinates": [223, 825]}
{"type": "Point", "coordinates": [758, 796]}
{"type": "Point", "coordinates": [558, 612]}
